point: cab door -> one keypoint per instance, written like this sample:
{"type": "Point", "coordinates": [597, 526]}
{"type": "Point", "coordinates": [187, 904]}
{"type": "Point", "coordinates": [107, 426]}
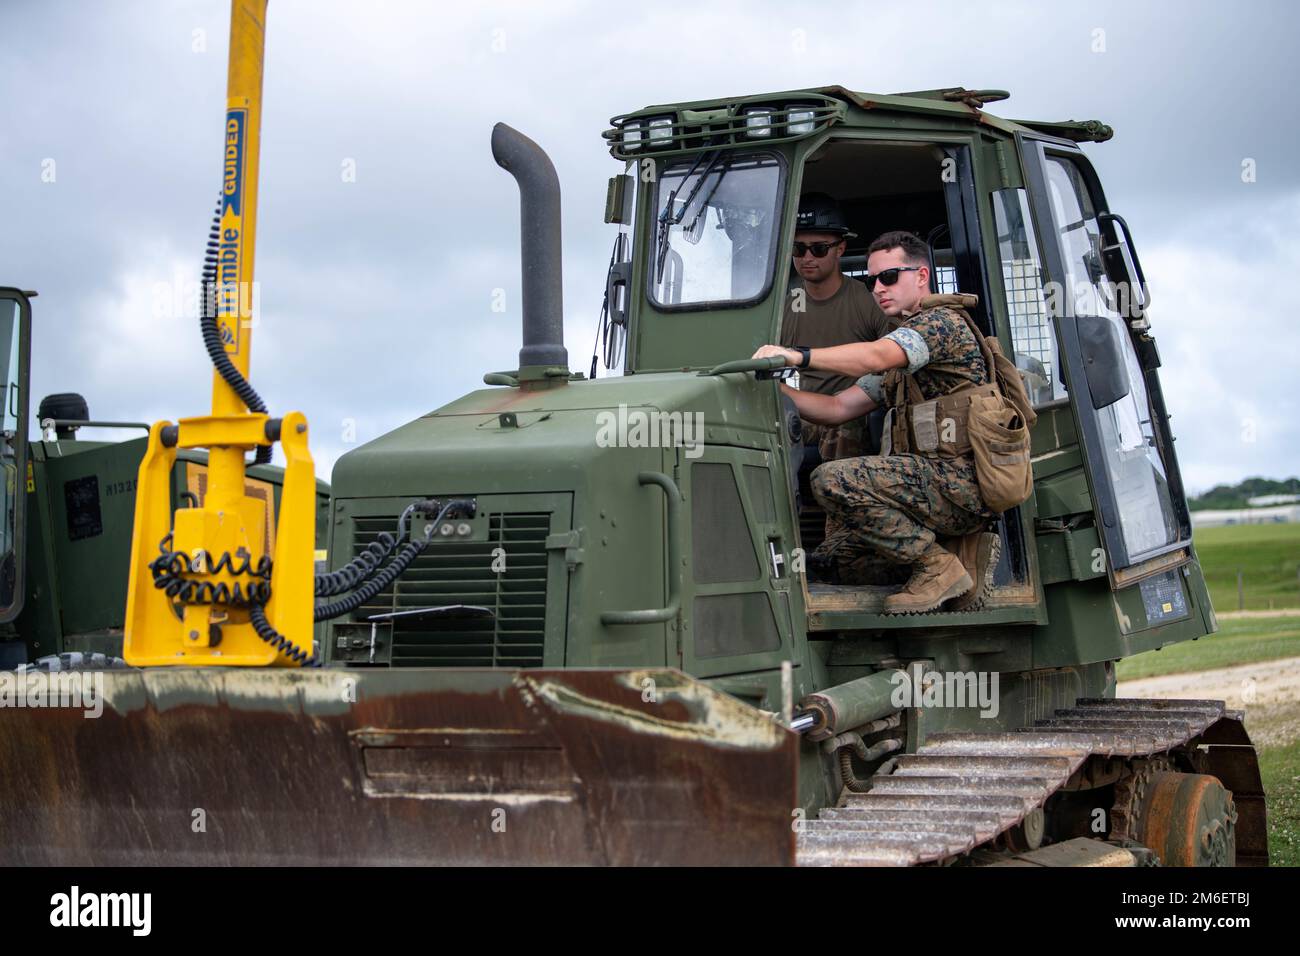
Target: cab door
{"type": "Point", "coordinates": [737, 610]}
{"type": "Point", "coordinates": [1097, 301]}
{"type": "Point", "coordinates": [15, 353]}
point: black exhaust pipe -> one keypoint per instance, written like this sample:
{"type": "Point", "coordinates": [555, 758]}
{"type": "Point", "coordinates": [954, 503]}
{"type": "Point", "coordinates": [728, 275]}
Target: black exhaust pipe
{"type": "Point", "coordinates": [539, 207]}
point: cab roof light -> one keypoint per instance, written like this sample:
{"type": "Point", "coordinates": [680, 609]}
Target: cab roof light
{"type": "Point", "coordinates": [632, 135]}
{"type": "Point", "coordinates": [801, 118]}
{"type": "Point", "coordinates": [661, 131]}
{"type": "Point", "coordinates": [758, 121]}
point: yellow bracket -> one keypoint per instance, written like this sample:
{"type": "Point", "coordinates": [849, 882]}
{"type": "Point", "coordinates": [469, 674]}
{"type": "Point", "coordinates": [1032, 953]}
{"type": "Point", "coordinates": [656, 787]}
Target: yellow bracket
{"type": "Point", "coordinates": [160, 631]}
{"type": "Point", "coordinates": [208, 431]}
{"type": "Point", "coordinates": [293, 582]}
{"type": "Point", "coordinates": [148, 612]}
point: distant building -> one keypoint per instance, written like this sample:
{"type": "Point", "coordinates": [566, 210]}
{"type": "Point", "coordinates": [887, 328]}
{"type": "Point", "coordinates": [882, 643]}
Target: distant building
{"type": "Point", "coordinates": [1281, 514]}
{"type": "Point", "coordinates": [1265, 501]}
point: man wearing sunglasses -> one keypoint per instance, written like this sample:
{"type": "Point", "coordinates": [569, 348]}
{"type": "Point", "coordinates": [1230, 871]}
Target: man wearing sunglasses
{"type": "Point", "coordinates": [827, 308]}
{"type": "Point", "coordinates": [891, 508]}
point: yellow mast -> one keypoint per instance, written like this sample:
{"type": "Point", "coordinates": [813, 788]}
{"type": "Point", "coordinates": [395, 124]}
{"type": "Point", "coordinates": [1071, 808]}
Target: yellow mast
{"type": "Point", "coordinates": [198, 575]}
{"type": "Point", "coordinates": [234, 299]}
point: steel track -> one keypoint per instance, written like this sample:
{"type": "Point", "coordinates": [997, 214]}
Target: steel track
{"type": "Point", "coordinates": [961, 791]}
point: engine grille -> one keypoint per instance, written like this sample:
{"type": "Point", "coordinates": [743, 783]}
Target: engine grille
{"type": "Point", "coordinates": [461, 573]}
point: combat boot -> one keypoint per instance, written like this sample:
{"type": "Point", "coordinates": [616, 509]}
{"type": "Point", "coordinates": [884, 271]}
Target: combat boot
{"type": "Point", "coordinates": [979, 553]}
{"type": "Point", "coordinates": [939, 576]}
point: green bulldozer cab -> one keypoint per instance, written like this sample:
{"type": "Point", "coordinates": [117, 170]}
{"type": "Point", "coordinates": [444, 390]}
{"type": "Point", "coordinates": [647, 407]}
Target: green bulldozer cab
{"type": "Point", "coordinates": [574, 481]}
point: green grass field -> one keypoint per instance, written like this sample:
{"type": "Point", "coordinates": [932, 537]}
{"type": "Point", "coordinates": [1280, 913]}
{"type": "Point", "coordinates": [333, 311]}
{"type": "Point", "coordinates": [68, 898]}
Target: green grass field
{"type": "Point", "coordinates": [1280, 769]}
{"type": "Point", "coordinates": [1237, 642]}
{"type": "Point", "coordinates": [1268, 556]}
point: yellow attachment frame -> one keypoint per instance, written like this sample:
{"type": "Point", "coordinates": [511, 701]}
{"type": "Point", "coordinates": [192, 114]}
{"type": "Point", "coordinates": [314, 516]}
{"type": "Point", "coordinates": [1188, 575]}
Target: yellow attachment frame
{"type": "Point", "coordinates": [227, 524]}
{"type": "Point", "coordinates": [220, 546]}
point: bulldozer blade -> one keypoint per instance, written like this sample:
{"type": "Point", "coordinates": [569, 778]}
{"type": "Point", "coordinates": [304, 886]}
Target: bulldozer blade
{"type": "Point", "coordinates": [218, 766]}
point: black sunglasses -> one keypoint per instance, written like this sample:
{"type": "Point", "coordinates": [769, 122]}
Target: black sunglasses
{"type": "Point", "coordinates": [818, 249]}
{"type": "Point", "coordinates": [887, 276]}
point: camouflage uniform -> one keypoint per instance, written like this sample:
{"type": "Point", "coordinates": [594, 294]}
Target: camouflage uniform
{"type": "Point", "coordinates": [888, 509]}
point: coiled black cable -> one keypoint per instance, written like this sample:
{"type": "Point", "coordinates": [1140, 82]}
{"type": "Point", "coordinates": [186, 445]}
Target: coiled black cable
{"type": "Point", "coordinates": [376, 583]}
{"type": "Point", "coordinates": [170, 566]}
{"type": "Point", "coordinates": [362, 573]}
{"type": "Point", "coordinates": [212, 335]}
{"type": "Point", "coordinates": [409, 552]}
{"type": "Point", "coordinates": [358, 569]}
{"type": "Point", "coordinates": [221, 594]}
{"type": "Point", "coordinates": [263, 628]}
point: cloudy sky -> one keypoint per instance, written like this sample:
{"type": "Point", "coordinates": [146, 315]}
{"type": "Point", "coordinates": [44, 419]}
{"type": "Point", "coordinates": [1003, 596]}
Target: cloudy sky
{"type": "Point", "coordinates": [377, 293]}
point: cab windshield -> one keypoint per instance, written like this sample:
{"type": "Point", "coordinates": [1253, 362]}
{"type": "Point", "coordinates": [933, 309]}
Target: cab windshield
{"type": "Point", "coordinates": [716, 222]}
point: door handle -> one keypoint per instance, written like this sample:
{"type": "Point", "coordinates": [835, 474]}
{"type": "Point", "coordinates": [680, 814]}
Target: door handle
{"type": "Point", "coordinates": [674, 605]}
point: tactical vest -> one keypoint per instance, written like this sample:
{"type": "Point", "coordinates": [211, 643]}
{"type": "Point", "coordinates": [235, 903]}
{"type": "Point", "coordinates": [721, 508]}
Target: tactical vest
{"type": "Point", "coordinates": [936, 427]}
{"type": "Point", "coordinates": [988, 421]}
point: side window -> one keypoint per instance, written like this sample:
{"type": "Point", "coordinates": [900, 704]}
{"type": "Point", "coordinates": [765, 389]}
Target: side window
{"type": "Point", "coordinates": [1128, 434]}
{"type": "Point", "coordinates": [1079, 235]}
{"type": "Point", "coordinates": [12, 488]}
{"type": "Point", "coordinates": [945, 264]}
{"type": "Point", "coordinates": [9, 355]}
{"type": "Point", "coordinates": [1032, 336]}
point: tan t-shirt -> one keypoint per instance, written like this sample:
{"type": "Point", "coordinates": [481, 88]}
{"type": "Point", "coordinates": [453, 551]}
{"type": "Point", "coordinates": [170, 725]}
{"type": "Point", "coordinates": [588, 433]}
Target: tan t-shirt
{"type": "Point", "coordinates": [850, 315]}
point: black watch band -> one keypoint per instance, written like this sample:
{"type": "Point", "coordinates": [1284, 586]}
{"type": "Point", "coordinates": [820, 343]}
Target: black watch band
{"type": "Point", "coordinates": [806, 354]}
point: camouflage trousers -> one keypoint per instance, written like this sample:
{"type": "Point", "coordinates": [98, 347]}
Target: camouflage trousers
{"type": "Point", "coordinates": [884, 512]}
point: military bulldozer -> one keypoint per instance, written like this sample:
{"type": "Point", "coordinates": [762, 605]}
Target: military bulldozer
{"type": "Point", "coordinates": [579, 625]}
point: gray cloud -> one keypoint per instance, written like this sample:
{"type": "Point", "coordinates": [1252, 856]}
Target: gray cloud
{"type": "Point", "coordinates": [377, 294]}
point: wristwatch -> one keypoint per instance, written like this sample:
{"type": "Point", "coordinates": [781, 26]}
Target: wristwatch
{"type": "Point", "coordinates": [806, 354]}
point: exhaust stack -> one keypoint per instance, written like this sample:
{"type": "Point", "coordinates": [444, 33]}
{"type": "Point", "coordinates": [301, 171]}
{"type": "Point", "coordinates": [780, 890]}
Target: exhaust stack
{"type": "Point", "coordinates": [539, 206]}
